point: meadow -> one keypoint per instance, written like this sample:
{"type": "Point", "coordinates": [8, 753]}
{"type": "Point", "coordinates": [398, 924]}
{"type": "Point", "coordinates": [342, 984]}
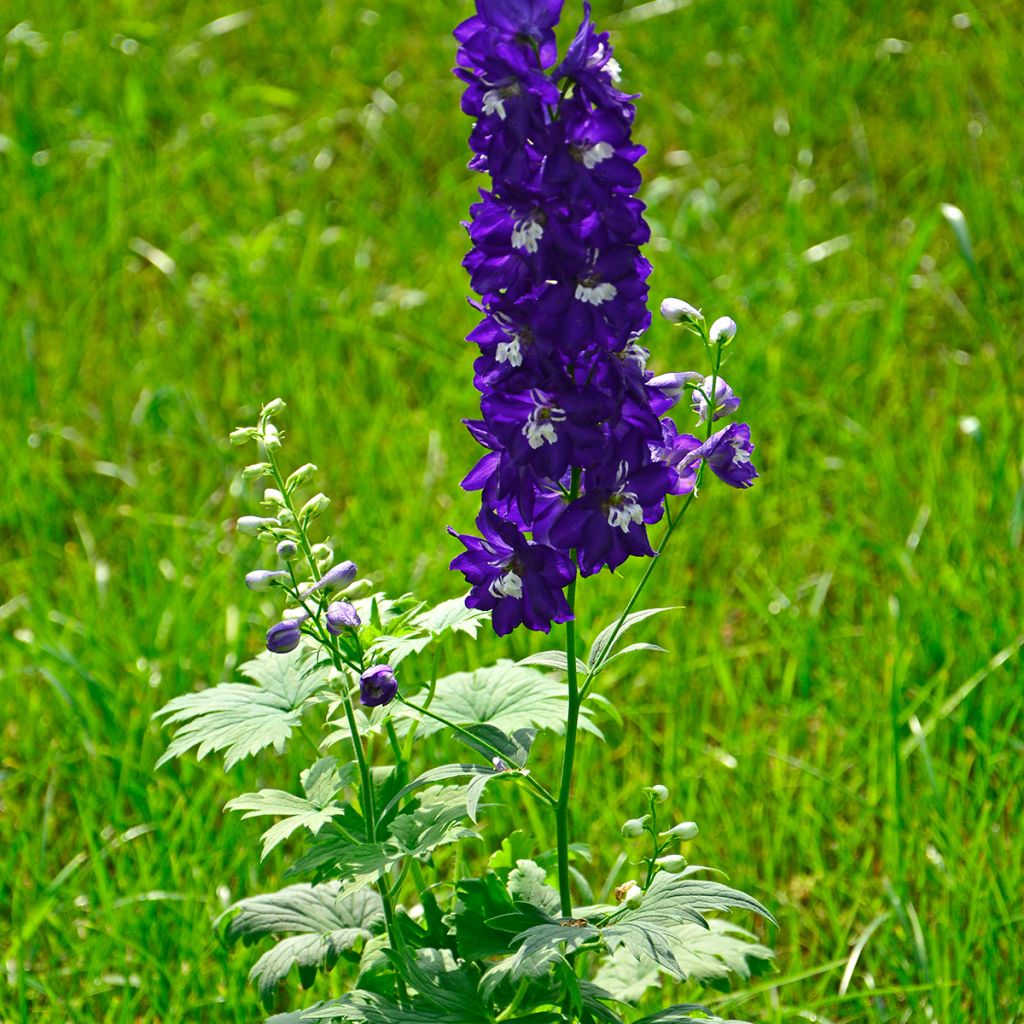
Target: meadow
{"type": "Point", "coordinates": [205, 206]}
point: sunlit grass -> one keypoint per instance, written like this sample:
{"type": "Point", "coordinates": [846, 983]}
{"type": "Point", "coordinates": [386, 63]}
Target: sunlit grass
{"type": "Point", "coordinates": [200, 214]}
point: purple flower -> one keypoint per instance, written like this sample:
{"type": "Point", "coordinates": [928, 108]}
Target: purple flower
{"type": "Point", "coordinates": [341, 616]}
{"type": "Point", "coordinates": [377, 686]}
{"type": "Point", "coordinates": [726, 402]}
{"type": "Point", "coordinates": [520, 582]}
{"type": "Point", "coordinates": [674, 448]}
{"type": "Point", "coordinates": [608, 524]}
{"type": "Point", "coordinates": [727, 452]}
{"type": "Point", "coordinates": [284, 636]}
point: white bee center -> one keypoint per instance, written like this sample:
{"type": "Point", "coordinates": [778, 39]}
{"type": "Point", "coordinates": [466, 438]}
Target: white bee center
{"type": "Point", "coordinates": [597, 293]}
{"type": "Point", "coordinates": [614, 69]}
{"type": "Point", "coordinates": [624, 510]}
{"type": "Point", "coordinates": [509, 585]}
{"type": "Point", "coordinates": [740, 455]}
{"type": "Point", "coordinates": [526, 234]}
{"type": "Point", "coordinates": [539, 428]}
{"type": "Point", "coordinates": [494, 102]}
{"type": "Point", "coordinates": [596, 154]}
{"type": "Point", "coordinates": [510, 352]}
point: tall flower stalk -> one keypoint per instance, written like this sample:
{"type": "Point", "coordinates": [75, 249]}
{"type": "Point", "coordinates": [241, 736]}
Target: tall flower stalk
{"type": "Point", "coordinates": [580, 457]}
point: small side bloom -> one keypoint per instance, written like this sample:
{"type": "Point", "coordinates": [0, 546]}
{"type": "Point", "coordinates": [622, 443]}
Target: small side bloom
{"type": "Point", "coordinates": [726, 400]}
{"type": "Point", "coordinates": [728, 453]}
{"type": "Point", "coordinates": [284, 636]}
{"type": "Point", "coordinates": [377, 686]}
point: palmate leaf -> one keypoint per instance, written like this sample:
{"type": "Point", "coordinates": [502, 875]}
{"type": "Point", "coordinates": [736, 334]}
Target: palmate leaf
{"type": "Point", "coordinates": [479, 776]}
{"type": "Point", "coordinates": [648, 930]}
{"type": "Point", "coordinates": [320, 923]}
{"type": "Point", "coordinates": [505, 696]}
{"type": "Point", "coordinates": [706, 955]}
{"type": "Point", "coordinates": [527, 883]}
{"type": "Point", "coordinates": [452, 616]}
{"type": "Point", "coordinates": [686, 1014]}
{"type": "Point", "coordinates": [242, 719]}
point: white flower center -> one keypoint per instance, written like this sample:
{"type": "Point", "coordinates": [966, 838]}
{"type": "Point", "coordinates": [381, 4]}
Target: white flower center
{"type": "Point", "coordinates": [494, 101]}
{"type": "Point", "coordinates": [509, 585]}
{"type": "Point", "coordinates": [596, 154]}
{"type": "Point", "coordinates": [624, 510]}
{"type": "Point", "coordinates": [595, 294]}
{"type": "Point", "coordinates": [526, 234]}
{"type": "Point", "coordinates": [509, 352]}
{"type": "Point", "coordinates": [614, 69]}
{"type": "Point", "coordinates": [740, 455]}
{"type": "Point", "coordinates": [539, 428]}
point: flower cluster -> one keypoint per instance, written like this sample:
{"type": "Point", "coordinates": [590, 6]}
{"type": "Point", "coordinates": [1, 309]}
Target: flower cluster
{"type": "Point", "coordinates": [579, 457]}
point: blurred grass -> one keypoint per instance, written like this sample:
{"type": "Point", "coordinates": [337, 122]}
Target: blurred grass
{"type": "Point", "coordinates": [198, 214]}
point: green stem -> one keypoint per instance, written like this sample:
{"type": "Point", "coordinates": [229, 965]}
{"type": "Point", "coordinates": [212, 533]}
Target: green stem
{"type": "Point", "coordinates": [571, 725]}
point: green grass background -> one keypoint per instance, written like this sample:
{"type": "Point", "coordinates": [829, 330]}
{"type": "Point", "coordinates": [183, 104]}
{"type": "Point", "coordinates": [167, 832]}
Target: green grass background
{"type": "Point", "coordinates": [842, 707]}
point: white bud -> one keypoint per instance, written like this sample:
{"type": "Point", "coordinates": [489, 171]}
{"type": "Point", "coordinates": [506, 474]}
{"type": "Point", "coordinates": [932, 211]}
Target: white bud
{"type": "Point", "coordinates": [301, 475]}
{"type": "Point", "coordinates": [287, 550]}
{"type": "Point", "coordinates": [634, 897]}
{"type": "Point", "coordinates": [673, 863]}
{"type": "Point", "coordinates": [271, 438]}
{"type": "Point", "coordinates": [723, 329]}
{"type": "Point", "coordinates": [659, 793]}
{"type": "Point", "coordinates": [272, 408]}
{"type": "Point", "coordinates": [316, 506]}
{"type": "Point", "coordinates": [242, 435]}
{"type": "Point", "coordinates": [256, 470]}
{"type": "Point", "coordinates": [685, 830]}
{"type": "Point", "coordinates": [635, 827]}
{"type": "Point", "coordinates": [252, 525]}
{"type": "Point", "coordinates": [676, 311]}
{"type": "Point", "coordinates": [260, 579]}
{"type": "Point", "coordinates": [272, 496]}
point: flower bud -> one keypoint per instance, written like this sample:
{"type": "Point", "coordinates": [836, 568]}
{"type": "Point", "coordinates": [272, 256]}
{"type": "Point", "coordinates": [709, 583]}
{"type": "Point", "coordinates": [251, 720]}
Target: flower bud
{"type": "Point", "coordinates": [339, 576]}
{"type": "Point", "coordinates": [256, 470]}
{"type": "Point", "coordinates": [341, 616]}
{"type": "Point", "coordinates": [323, 554]}
{"type": "Point", "coordinates": [301, 475]}
{"type": "Point", "coordinates": [659, 793]}
{"type": "Point", "coordinates": [621, 890]}
{"type": "Point", "coordinates": [260, 579]}
{"type": "Point", "coordinates": [673, 863]}
{"type": "Point", "coordinates": [272, 408]}
{"type": "Point", "coordinates": [635, 827]}
{"type": "Point", "coordinates": [284, 636]}
{"type": "Point", "coordinates": [242, 435]}
{"type": "Point", "coordinates": [685, 830]}
{"type": "Point", "coordinates": [271, 438]}
{"type": "Point", "coordinates": [723, 329]}
{"type": "Point", "coordinates": [377, 686]}
{"type": "Point", "coordinates": [251, 525]}
{"type": "Point", "coordinates": [634, 897]}
{"type": "Point", "coordinates": [272, 496]}
{"type": "Point", "coordinates": [676, 311]}
{"type": "Point", "coordinates": [670, 387]}
{"type": "Point", "coordinates": [316, 506]}
{"type": "Point", "coordinates": [287, 550]}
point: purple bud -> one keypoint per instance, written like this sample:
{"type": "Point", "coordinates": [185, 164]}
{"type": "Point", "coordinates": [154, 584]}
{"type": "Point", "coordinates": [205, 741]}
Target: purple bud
{"type": "Point", "coordinates": [284, 637]}
{"type": "Point", "coordinates": [287, 550]}
{"type": "Point", "coordinates": [341, 616]}
{"type": "Point", "coordinates": [377, 686]}
{"type": "Point", "coordinates": [340, 576]}
{"type": "Point", "coordinates": [726, 401]}
{"type": "Point", "coordinates": [261, 579]}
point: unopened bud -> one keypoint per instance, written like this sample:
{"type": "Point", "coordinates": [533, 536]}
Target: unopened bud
{"type": "Point", "coordinates": [271, 438]}
{"type": "Point", "coordinates": [685, 830]}
{"type": "Point", "coordinates": [252, 525]}
{"type": "Point", "coordinates": [634, 897]}
{"type": "Point", "coordinates": [621, 890]}
{"type": "Point", "coordinates": [272, 496]}
{"type": "Point", "coordinates": [676, 311]}
{"type": "Point", "coordinates": [256, 470]}
{"type": "Point", "coordinates": [635, 827]}
{"type": "Point", "coordinates": [673, 863]}
{"type": "Point", "coordinates": [261, 579]}
{"type": "Point", "coordinates": [659, 793]}
{"type": "Point", "coordinates": [340, 576]}
{"type": "Point", "coordinates": [272, 408]}
{"type": "Point", "coordinates": [341, 616]}
{"type": "Point", "coordinates": [301, 475]}
{"type": "Point", "coordinates": [242, 435]}
{"type": "Point", "coordinates": [323, 554]}
{"type": "Point", "coordinates": [316, 506]}
{"type": "Point", "coordinates": [723, 329]}
{"type": "Point", "coordinates": [287, 550]}
{"type": "Point", "coordinates": [284, 637]}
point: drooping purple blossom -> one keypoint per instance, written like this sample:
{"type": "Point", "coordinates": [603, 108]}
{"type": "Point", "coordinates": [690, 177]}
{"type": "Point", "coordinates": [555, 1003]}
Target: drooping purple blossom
{"type": "Point", "coordinates": [727, 453]}
{"type": "Point", "coordinates": [725, 399]}
{"type": "Point", "coordinates": [577, 457]}
{"type": "Point", "coordinates": [377, 686]}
